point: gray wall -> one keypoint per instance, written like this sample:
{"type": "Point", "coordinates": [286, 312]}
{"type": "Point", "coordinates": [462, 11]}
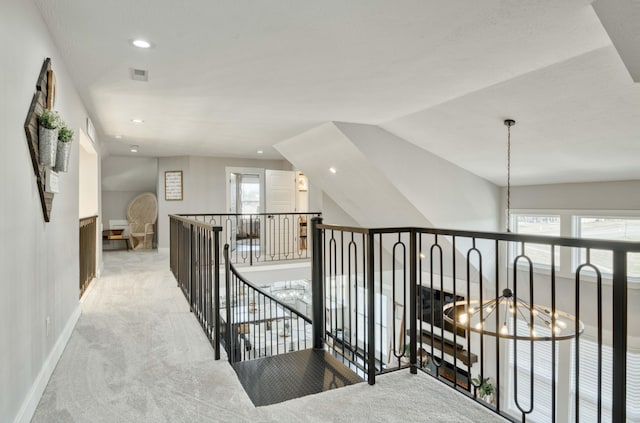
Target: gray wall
{"type": "Point", "coordinates": [115, 203]}
{"type": "Point", "coordinates": [204, 186]}
{"type": "Point", "coordinates": [618, 195]}
{"type": "Point", "coordinates": [38, 261]}
{"type": "Point", "coordinates": [122, 179]}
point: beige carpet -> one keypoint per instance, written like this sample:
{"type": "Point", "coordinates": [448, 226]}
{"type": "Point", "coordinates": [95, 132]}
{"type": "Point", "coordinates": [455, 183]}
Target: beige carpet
{"type": "Point", "coordinates": [138, 355]}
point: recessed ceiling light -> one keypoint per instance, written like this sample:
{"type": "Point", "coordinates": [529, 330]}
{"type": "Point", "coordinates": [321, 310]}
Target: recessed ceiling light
{"type": "Point", "coordinates": [333, 170]}
{"type": "Point", "coordinates": [134, 148]}
{"type": "Point", "coordinates": [260, 151]}
{"type": "Point", "coordinates": [141, 43]}
{"type": "Point", "coordinates": [118, 137]}
{"type": "Point", "coordinates": [137, 121]}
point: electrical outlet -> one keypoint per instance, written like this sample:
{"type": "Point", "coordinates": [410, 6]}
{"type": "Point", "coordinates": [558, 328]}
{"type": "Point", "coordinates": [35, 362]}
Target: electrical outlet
{"type": "Point", "coordinates": [47, 321]}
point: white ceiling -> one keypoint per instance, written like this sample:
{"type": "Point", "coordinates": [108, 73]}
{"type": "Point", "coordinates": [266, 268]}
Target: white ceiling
{"type": "Point", "coordinates": [230, 77]}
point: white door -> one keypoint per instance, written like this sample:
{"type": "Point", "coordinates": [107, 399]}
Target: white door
{"type": "Point", "coordinates": [281, 230]}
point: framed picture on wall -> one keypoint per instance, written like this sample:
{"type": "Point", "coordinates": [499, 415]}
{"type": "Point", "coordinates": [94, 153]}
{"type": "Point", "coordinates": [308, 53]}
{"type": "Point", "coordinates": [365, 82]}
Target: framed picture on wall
{"type": "Point", "coordinates": [173, 185]}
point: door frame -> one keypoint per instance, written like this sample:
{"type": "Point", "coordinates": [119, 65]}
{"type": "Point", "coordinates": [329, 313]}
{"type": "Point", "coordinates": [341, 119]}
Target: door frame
{"type": "Point", "coordinates": [246, 170]}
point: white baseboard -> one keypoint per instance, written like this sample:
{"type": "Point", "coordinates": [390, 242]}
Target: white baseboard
{"type": "Point", "coordinates": [163, 250]}
{"type": "Point", "coordinates": [32, 399]}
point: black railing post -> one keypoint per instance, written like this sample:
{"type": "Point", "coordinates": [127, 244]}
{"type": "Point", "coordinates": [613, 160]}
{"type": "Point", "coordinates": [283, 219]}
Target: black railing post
{"type": "Point", "coordinates": [216, 292]}
{"type": "Point", "coordinates": [413, 280]}
{"type": "Point", "coordinates": [317, 284]}
{"type": "Point", "coordinates": [619, 383]}
{"type": "Point", "coordinates": [227, 283]}
{"type": "Point", "coordinates": [371, 314]}
{"type": "Point", "coordinates": [250, 240]}
{"type": "Point", "coordinates": [192, 267]}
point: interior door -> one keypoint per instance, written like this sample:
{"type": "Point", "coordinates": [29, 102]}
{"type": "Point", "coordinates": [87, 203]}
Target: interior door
{"type": "Point", "coordinates": [281, 230]}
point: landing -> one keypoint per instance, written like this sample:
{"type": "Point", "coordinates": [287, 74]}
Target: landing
{"type": "Point", "coordinates": [279, 378]}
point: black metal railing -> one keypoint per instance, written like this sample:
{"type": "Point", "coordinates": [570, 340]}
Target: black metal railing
{"type": "Point", "coordinates": [88, 228]}
{"type": "Point", "coordinates": [195, 263]}
{"type": "Point", "coordinates": [259, 323]}
{"type": "Point", "coordinates": [386, 299]}
{"type": "Point", "coordinates": [261, 237]}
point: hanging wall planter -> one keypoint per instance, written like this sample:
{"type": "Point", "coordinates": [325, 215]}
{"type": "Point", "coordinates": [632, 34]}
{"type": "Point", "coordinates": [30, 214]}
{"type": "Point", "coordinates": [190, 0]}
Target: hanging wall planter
{"type": "Point", "coordinates": [48, 123]}
{"type": "Point", "coordinates": [65, 136]}
{"type": "Point", "coordinates": [43, 99]}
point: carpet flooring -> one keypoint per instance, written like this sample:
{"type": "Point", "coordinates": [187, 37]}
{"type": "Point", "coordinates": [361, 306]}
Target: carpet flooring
{"type": "Point", "coordinates": [138, 355]}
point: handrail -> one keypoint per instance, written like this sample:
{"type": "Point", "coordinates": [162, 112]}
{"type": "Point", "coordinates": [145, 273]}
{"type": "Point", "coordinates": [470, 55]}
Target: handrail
{"type": "Point", "coordinates": [89, 217]}
{"type": "Point", "coordinates": [266, 294]}
{"type": "Point", "coordinates": [246, 214]}
{"type": "Point", "coordinates": [629, 246]}
{"type": "Point", "coordinates": [195, 261]}
{"type": "Point", "coordinates": [197, 223]}
{"type": "Point", "coordinates": [260, 237]}
{"type": "Point", "coordinates": [244, 338]}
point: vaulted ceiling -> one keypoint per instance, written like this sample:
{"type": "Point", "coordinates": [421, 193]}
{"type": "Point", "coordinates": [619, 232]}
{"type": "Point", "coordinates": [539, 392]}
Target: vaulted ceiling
{"type": "Point", "coordinates": [231, 77]}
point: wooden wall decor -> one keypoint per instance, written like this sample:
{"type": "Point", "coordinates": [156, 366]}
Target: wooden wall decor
{"type": "Point", "coordinates": [44, 95]}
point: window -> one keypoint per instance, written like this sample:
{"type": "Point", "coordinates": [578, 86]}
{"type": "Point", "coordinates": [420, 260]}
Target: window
{"type": "Point", "coordinates": [381, 321]}
{"type": "Point", "coordinates": [542, 376]}
{"type": "Point", "coordinates": [546, 225]}
{"type": "Point", "coordinates": [588, 398]}
{"type": "Point", "coordinates": [565, 366]}
{"type": "Point", "coordinates": [611, 228]}
{"type": "Point", "coordinates": [249, 194]}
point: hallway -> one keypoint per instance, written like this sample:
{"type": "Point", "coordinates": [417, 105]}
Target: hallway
{"type": "Point", "coordinates": [137, 354]}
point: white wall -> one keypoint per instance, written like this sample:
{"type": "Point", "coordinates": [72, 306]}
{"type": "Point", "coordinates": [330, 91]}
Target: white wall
{"type": "Point", "coordinates": [359, 187]}
{"type": "Point", "coordinates": [447, 195]}
{"type": "Point", "coordinates": [333, 214]}
{"type": "Point", "coordinates": [88, 185]}
{"type": "Point", "coordinates": [38, 261]}
{"type": "Point", "coordinates": [204, 186]}
{"type": "Point", "coordinates": [383, 180]}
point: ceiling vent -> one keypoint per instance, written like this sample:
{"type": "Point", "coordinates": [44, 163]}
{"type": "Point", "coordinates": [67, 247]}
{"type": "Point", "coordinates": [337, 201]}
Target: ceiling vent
{"type": "Point", "coordinates": [139, 75]}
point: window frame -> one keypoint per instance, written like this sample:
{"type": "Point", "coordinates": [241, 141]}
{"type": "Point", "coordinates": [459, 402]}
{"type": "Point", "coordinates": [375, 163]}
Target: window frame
{"type": "Point", "coordinates": [513, 250]}
{"type": "Point", "coordinates": [576, 256]}
{"type": "Point", "coordinates": [569, 257]}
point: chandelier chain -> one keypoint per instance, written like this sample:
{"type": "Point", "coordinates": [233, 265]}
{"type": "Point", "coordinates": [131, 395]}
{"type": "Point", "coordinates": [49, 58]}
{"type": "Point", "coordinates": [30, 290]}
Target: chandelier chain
{"type": "Point", "coordinates": [508, 178]}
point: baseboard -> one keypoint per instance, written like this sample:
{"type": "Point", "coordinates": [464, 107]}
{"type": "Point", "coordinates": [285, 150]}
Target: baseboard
{"type": "Point", "coordinates": [163, 250]}
{"type": "Point", "coordinates": [32, 399]}
{"type": "Point", "coordinates": [86, 292]}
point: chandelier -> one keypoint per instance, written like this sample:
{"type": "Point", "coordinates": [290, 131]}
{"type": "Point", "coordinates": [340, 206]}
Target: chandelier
{"type": "Point", "coordinates": [509, 316]}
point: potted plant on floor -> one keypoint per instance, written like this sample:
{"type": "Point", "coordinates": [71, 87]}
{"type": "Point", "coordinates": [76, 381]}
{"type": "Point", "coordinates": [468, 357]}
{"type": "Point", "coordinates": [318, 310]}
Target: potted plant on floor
{"type": "Point", "coordinates": [485, 389]}
{"type": "Point", "coordinates": [48, 121]}
{"type": "Point", "coordinates": [65, 136]}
